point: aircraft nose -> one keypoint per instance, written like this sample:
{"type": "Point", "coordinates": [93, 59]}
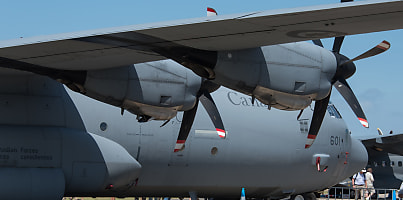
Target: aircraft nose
{"type": "Point", "coordinates": [358, 157]}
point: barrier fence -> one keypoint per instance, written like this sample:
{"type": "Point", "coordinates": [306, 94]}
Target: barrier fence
{"type": "Point", "coordinates": [349, 193]}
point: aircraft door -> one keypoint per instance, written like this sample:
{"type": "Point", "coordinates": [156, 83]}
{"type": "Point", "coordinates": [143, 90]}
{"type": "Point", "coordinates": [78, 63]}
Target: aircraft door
{"type": "Point", "coordinates": [152, 141]}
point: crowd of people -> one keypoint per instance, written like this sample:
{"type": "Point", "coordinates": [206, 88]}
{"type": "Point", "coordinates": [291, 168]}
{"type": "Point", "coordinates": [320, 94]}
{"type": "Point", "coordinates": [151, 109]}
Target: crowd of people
{"type": "Point", "coordinates": [363, 184]}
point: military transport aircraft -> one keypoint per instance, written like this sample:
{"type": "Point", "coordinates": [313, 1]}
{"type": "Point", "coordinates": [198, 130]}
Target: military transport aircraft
{"type": "Point", "coordinates": [59, 142]}
{"type": "Point", "coordinates": [385, 156]}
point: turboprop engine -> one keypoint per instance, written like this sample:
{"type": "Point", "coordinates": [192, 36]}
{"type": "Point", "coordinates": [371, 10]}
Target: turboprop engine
{"type": "Point", "coordinates": [286, 77]}
{"type": "Point", "coordinates": [154, 90]}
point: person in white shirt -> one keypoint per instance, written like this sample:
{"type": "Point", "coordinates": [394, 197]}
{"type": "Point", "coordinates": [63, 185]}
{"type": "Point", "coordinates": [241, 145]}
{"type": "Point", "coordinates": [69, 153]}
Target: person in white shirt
{"type": "Point", "coordinates": [359, 183]}
{"type": "Point", "coordinates": [370, 183]}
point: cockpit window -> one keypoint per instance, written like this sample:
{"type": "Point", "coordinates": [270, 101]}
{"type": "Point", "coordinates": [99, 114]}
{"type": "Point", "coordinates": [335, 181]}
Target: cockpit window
{"type": "Point", "coordinates": [333, 112]}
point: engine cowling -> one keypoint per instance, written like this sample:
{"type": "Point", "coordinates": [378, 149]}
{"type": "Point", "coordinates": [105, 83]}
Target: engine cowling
{"type": "Point", "coordinates": [287, 76]}
{"type": "Point", "coordinates": [156, 90]}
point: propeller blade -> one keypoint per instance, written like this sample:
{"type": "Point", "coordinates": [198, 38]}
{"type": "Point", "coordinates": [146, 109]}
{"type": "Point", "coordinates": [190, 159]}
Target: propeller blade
{"type": "Point", "coordinates": [187, 122]}
{"type": "Point", "coordinates": [211, 12]}
{"type": "Point", "coordinates": [378, 49]}
{"type": "Point", "coordinates": [318, 42]}
{"type": "Point", "coordinates": [208, 103]}
{"type": "Point", "coordinates": [338, 41]}
{"type": "Point", "coordinates": [345, 90]}
{"type": "Point", "coordinates": [321, 105]}
{"type": "Point", "coordinates": [317, 118]}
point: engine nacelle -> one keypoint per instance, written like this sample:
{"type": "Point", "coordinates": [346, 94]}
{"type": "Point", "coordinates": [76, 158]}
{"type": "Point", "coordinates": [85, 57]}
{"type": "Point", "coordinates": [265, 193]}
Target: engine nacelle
{"type": "Point", "coordinates": [154, 90]}
{"type": "Point", "coordinates": [287, 76]}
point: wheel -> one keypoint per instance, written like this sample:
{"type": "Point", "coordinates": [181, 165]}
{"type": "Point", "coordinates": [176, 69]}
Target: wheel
{"type": "Point", "coordinates": [297, 197]}
{"type": "Point", "coordinates": [309, 196]}
{"type": "Point", "coordinates": [305, 196]}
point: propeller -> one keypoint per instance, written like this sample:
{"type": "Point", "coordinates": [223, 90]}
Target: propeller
{"type": "Point", "coordinates": [345, 69]}
{"type": "Point", "coordinates": [188, 116]}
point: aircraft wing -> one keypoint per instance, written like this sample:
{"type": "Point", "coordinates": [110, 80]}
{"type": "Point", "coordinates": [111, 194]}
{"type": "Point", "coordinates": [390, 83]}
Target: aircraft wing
{"type": "Point", "coordinates": [389, 143]}
{"type": "Point", "coordinates": [105, 48]}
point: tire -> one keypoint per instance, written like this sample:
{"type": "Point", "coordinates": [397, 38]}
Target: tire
{"type": "Point", "coordinates": [309, 196]}
{"type": "Point", "coordinates": [297, 197]}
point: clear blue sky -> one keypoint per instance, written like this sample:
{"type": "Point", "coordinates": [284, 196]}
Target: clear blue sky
{"type": "Point", "coordinates": [376, 82]}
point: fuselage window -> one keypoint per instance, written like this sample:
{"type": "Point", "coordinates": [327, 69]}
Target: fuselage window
{"type": "Point", "coordinates": [392, 163]}
{"type": "Point", "coordinates": [399, 163]}
{"type": "Point", "coordinates": [103, 126]}
{"type": "Point", "coordinates": [384, 163]}
{"type": "Point", "coordinates": [333, 112]}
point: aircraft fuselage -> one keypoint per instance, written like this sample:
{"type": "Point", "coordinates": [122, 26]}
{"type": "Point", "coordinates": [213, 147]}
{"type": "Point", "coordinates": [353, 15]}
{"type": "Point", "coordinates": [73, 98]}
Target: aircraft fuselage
{"type": "Point", "coordinates": [78, 146]}
{"type": "Point", "coordinates": [263, 151]}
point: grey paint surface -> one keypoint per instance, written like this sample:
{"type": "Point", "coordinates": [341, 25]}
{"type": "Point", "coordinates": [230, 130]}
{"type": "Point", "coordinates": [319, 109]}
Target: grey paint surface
{"type": "Point", "coordinates": [264, 151]}
{"type": "Point", "coordinates": [103, 151]}
{"type": "Point", "coordinates": [259, 153]}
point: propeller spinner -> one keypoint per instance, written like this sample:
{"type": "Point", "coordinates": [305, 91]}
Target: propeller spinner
{"type": "Point", "coordinates": [345, 69]}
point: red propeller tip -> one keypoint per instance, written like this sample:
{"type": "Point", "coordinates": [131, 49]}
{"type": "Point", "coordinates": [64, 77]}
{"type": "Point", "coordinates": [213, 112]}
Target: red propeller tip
{"type": "Point", "coordinates": [221, 132]}
{"type": "Point", "coordinates": [385, 45]}
{"type": "Point", "coordinates": [211, 12]}
{"type": "Point", "coordinates": [364, 122]}
{"type": "Point", "coordinates": [309, 141]}
{"type": "Point", "coordinates": [179, 145]}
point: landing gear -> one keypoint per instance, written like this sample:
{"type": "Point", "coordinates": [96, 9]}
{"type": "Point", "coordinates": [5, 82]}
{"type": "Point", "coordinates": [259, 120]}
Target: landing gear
{"type": "Point", "coordinates": [297, 197]}
{"type": "Point", "coordinates": [193, 196]}
{"type": "Point", "coordinates": [305, 196]}
{"type": "Point", "coordinates": [309, 196]}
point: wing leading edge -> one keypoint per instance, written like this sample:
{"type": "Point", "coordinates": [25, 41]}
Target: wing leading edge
{"type": "Point", "coordinates": [113, 47]}
{"type": "Point", "coordinates": [387, 143]}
